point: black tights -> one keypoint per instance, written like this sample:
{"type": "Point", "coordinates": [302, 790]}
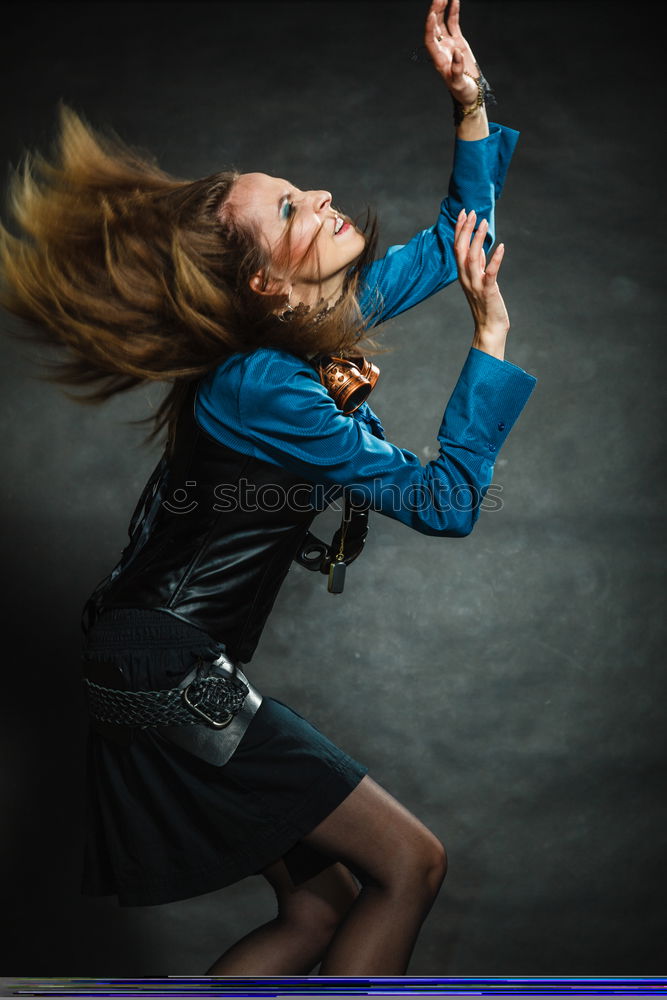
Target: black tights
{"type": "Point", "coordinates": [367, 931]}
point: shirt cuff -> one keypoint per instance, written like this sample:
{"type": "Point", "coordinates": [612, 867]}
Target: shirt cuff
{"type": "Point", "coordinates": [486, 403]}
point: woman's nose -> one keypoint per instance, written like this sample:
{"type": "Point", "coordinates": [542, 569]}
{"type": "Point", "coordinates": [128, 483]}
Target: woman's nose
{"type": "Point", "coordinates": [321, 200]}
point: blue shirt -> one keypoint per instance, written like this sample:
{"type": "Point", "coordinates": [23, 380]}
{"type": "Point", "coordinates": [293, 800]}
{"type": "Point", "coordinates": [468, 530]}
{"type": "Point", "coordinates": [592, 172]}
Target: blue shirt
{"type": "Point", "coordinates": [270, 404]}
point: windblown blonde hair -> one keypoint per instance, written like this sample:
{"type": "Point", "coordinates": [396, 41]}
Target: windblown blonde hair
{"type": "Point", "coordinates": [140, 277]}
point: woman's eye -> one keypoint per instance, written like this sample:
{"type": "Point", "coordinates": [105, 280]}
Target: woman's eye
{"type": "Point", "coordinates": [287, 209]}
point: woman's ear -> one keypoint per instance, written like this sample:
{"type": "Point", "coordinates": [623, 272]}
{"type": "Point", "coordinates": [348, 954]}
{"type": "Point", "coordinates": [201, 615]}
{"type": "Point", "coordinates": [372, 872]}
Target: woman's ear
{"type": "Point", "coordinates": [273, 287]}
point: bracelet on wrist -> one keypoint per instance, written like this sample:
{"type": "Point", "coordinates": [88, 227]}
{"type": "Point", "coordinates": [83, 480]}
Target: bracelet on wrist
{"type": "Point", "coordinates": [484, 96]}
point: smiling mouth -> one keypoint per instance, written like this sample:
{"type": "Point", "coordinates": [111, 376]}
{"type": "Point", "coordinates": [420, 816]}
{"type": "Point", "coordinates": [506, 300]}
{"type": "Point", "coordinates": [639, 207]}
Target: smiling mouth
{"type": "Point", "coordinates": [340, 226]}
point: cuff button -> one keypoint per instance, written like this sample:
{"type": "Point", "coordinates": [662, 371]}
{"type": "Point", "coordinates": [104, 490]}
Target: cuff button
{"type": "Point", "coordinates": [501, 427]}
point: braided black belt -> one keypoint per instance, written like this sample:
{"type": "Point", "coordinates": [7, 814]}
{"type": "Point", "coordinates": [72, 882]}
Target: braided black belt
{"type": "Point", "coordinates": [209, 693]}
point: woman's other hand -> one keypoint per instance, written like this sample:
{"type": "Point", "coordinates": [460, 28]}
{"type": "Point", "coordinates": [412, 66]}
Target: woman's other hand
{"type": "Point", "coordinates": [450, 52]}
{"type": "Point", "coordinates": [478, 280]}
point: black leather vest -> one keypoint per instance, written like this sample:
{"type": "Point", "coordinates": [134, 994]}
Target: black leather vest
{"type": "Point", "coordinates": [211, 539]}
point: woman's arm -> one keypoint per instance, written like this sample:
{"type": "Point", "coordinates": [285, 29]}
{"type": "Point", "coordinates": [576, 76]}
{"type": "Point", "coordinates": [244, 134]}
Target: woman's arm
{"type": "Point", "coordinates": [410, 273]}
{"type": "Point", "coordinates": [282, 414]}
{"type": "Point", "coordinates": [271, 405]}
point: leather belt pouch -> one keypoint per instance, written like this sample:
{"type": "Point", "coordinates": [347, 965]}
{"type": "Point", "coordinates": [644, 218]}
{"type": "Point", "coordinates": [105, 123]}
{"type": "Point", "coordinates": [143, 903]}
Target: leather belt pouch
{"type": "Point", "coordinates": [215, 746]}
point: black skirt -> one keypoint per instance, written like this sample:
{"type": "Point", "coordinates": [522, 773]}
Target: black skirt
{"type": "Point", "coordinates": [164, 825]}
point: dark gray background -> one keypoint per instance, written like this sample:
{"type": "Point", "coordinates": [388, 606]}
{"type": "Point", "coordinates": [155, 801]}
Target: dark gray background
{"type": "Point", "coordinates": [517, 675]}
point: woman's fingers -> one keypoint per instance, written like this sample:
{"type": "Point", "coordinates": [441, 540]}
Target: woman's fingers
{"type": "Point", "coordinates": [434, 21]}
{"type": "Point", "coordinates": [433, 39]}
{"type": "Point", "coordinates": [493, 266]}
{"type": "Point", "coordinates": [476, 276]}
{"type": "Point", "coordinates": [458, 63]}
{"type": "Point", "coordinates": [438, 10]}
{"type": "Point", "coordinates": [430, 30]}
{"type": "Point", "coordinates": [453, 16]}
{"type": "Point", "coordinates": [477, 244]}
{"type": "Point", "coordinates": [470, 257]}
{"type": "Point", "coordinates": [460, 223]}
{"type": "Point", "coordinates": [463, 232]}
{"type": "Point", "coordinates": [449, 50]}
{"type": "Point", "coordinates": [462, 243]}
{"type": "Point", "coordinates": [468, 223]}
{"type": "Point", "coordinates": [474, 262]}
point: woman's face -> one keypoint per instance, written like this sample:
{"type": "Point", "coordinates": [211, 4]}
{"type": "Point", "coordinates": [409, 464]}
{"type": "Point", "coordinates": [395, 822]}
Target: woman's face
{"type": "Point", "coordinates": [277, 208]}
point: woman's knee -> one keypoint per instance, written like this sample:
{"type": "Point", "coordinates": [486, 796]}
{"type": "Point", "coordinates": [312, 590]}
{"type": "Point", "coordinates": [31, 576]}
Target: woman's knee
{"type": "Point", "coordinates": [418, 866]}
{"type": "Point", "coordinates": [436, 863]}
{"type": "Point", "coordinates": [318, 906]}
{"type": "Point", "coordinates": [383, 843]}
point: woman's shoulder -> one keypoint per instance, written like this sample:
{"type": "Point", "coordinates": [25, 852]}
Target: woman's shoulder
{"type": "Point", "coordinates": [262, 366]}
{"type": "Point", "coordinates": [254, 389]}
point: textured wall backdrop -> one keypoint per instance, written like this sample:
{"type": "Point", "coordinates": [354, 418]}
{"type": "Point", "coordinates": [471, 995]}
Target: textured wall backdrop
{"type": "Point", "coordinates": [517, 675]}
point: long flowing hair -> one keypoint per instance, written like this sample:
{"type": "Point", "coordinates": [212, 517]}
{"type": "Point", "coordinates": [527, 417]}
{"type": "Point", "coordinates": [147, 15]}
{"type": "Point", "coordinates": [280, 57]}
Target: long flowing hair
{"type": "Point", "coordinates": [139, 276]}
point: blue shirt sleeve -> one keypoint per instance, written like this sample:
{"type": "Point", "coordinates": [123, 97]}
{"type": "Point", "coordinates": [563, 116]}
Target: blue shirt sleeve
{"type": "Point", "coordinates": [273, 406]}
{"type": "Point", "coordinates": [410, 273]}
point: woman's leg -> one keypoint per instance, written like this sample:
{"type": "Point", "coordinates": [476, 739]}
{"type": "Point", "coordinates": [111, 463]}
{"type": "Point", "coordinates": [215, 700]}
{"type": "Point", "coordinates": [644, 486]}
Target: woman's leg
{"type": "Point", "coordinates": [405, 865]}
{"type": "Point", "coordinates": [372, 932]}
{"type": "Point", "coordinates": [295, 941]}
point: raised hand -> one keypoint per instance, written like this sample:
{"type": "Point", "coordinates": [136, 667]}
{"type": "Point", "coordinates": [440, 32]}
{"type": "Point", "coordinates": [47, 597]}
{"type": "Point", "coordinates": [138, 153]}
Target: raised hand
{"type": "Point", "coordinates": [478, 280]}
{"type": "Point", "coordinates": [450, 52]}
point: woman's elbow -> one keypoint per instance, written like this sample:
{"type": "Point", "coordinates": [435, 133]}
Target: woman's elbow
{"type": "Point", "coordinates": [448, 516]}
{"type": "Point", "coordinates": [451, 527]}
{"type": "Point", "coordinates": [460, 530]}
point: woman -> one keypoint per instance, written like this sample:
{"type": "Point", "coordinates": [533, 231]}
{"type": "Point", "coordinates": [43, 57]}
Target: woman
{"type": "Point", "coordinates": [240, 289]}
